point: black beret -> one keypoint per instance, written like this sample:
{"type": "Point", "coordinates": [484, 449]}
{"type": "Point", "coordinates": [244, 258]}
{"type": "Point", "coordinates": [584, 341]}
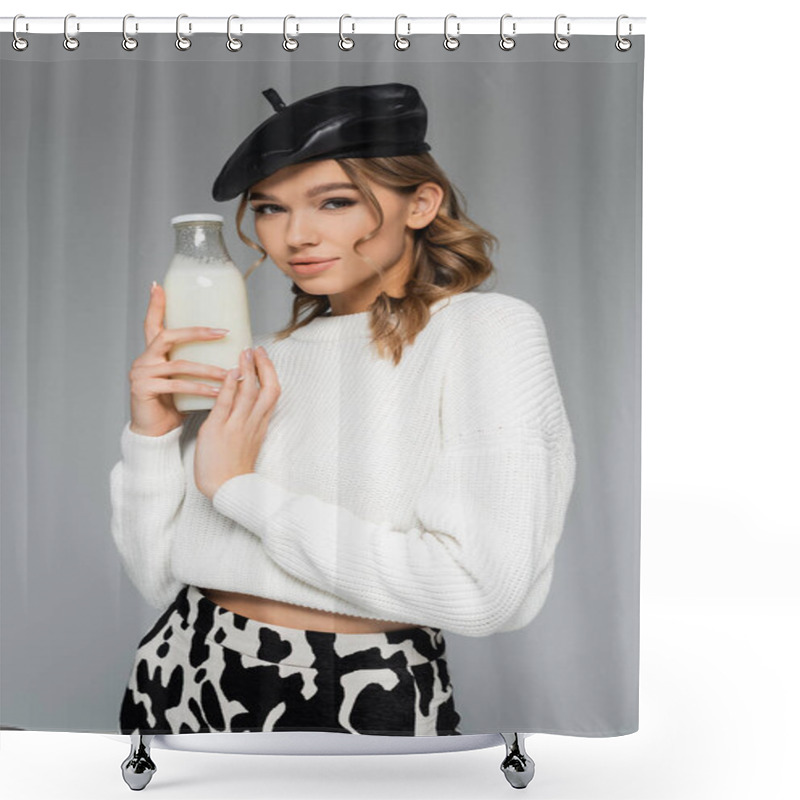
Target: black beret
{"type": "Point", "coordinates": [388, 119]}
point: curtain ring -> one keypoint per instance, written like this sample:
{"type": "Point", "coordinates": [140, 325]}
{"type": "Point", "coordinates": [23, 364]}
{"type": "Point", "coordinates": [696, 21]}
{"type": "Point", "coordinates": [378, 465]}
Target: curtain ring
{"type": "Point", "coordinates": [399, 42]}
{"type": "Point", "coordinates": [233, 44]}
{"type": "Point", "coordinates": [128, 42]}
{"type": "Point", "coordinates": [289, 43]}
{"type": "Point", "coordinates": [344, 42]}
{"type": "Point", "coordinates": [623, 45]}
{"type": "Point", "coordinates": [70, 42]}
{"type": "Point", "coordinates": [560, 42]}
{"type": "Point", "coordinates": [182, 43]}
{"type": "Point", "coordinates": [507, 42]}
{"type": "Point", "coordinates": [19, 44]}
{"type": "Point", "coordinates": [451, 42]}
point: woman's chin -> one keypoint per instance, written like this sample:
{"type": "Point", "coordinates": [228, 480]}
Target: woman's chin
{"type": "Point", "coordinates": [317, 287]}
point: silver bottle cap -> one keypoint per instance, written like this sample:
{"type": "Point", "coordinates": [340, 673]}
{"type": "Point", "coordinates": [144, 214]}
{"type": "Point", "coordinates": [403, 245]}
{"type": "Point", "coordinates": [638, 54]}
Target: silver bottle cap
{"type": "Point", "coordinates": [196, 218]}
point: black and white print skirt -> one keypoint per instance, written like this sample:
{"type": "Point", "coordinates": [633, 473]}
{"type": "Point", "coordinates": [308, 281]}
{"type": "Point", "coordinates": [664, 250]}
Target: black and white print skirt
{"type": "Point", "coordinates": [205, 669]}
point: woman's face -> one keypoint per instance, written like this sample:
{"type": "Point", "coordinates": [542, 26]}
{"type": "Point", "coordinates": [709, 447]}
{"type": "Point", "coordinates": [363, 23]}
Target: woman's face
{"type": "Point", "coordinates": [299, 216]}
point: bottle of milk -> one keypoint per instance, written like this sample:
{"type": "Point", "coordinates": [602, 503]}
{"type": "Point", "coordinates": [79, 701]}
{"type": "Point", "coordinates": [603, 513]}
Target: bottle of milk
{"type": "Point", "coordinates": [204, 287]}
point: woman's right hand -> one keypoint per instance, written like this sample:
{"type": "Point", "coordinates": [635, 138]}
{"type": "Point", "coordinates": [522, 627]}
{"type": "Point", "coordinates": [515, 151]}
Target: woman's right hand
{"type": "Point", "coordinates": [153, 411]}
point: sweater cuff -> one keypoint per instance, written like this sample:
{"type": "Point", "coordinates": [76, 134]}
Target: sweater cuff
{"type": "Point", "coordinates": [250, 499]}
{"type": "Point", "coordinates": [151, 455]}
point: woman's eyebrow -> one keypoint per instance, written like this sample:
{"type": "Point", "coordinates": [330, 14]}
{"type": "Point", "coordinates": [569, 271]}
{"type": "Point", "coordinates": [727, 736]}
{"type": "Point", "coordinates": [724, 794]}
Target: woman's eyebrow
{"type": "Point", "coordinates": [321, 189]}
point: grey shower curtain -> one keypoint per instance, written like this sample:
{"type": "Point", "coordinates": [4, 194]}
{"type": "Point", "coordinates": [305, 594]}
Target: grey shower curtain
{"type": "Point", "coordinates": [100, 148]}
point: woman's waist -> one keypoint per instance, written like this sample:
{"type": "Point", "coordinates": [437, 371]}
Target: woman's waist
{"type": "Point", "coordinates": [289, 615]}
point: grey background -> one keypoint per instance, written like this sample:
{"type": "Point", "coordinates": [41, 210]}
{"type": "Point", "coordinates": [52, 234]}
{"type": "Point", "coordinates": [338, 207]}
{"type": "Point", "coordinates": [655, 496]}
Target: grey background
{"type": "Point", "coordinates": [100, 147]}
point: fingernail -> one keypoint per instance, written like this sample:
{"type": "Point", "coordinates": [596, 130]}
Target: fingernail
{"type": "Point", "coordinates": [219, 331]}
{"type": "Point", "coordinates": [248, 354]}
{"type": "Point", "coordinates": [236, 374]}
{"type": "Point", "coordinates": [153, 286]}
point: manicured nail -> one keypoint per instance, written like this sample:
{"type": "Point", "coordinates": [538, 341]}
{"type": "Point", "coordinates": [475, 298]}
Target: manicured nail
{"type": "Point", "coordinates": [219, 331]}
{"type": "Point", "coordinates": [153, 286]}
{"type": "Point", "coordinates": [248, 353]}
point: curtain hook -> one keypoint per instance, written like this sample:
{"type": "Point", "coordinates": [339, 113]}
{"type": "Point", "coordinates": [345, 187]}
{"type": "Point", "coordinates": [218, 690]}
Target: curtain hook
{"type": "Point", "coordinates": [288, 42]}
{"type": "Point", "coordinates": [19, 44]}
{"type": "Point", "coordinates": [70, 42]}
{"type": "Point", "coordinates": [399, 42]}
{"type": "Point", "coordinates": [561, 43]}
{"type": "Point", "coordinates": [507, 42]}
{"type": "Point", "coordinates": [344, 42]}
{"type": "Point", "coordinates": [451, 42]}
{"type": "Point", "coordinates": [623, 45]}
{"type": "Point", "coordinates": [182, 43]}
{"type": "Point", "coordinates": [233, 44]}
{"type": "Point", "coordinates": [128, 42]}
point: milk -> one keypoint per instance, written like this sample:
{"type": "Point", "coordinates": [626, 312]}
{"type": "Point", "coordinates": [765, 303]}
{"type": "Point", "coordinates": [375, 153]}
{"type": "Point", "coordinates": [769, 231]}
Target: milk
{"type": "Point", "coordinates": [204, 287]}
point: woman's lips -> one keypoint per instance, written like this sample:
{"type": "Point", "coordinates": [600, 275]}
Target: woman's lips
{"type": "Point", "coordinates": [313, 269]}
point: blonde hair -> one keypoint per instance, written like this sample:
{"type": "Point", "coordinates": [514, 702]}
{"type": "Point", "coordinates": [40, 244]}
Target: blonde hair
{"type": "Point", "coordinates": [450, 253]}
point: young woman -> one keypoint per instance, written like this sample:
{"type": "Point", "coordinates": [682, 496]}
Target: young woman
{"type": "Point", "coordinates": [394, 462]}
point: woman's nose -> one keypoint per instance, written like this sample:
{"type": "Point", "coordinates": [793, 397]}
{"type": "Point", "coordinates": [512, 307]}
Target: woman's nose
{"type": "Point", "coordinates": [300, 231]}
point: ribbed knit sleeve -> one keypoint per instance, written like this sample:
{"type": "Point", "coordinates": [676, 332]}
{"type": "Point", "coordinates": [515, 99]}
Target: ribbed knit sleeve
{"type": "Point", "coordinates": [479, 561]}
{"type": "Point", "coordinates": [147, 488]}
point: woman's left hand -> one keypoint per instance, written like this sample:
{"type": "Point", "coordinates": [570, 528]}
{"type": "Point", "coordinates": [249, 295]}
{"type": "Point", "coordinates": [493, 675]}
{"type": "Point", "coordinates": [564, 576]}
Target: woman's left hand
{"type": "Point", "coordinates": [230, 439]}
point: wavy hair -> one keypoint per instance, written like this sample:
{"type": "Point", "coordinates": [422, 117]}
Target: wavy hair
{"type": "Point", "coordinates": [450, 254]}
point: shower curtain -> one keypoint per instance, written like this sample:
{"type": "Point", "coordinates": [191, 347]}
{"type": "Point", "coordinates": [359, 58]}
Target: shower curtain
{"type": "Point", "coordinates": [101, 147]}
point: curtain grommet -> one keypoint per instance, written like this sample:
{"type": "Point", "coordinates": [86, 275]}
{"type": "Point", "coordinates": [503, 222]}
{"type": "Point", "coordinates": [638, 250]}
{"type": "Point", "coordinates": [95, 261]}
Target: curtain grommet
{"type": "Point", "coordinates": [233, 44]}
{"type": "Point", "coordinates": [346, 43]}
{"type": "Point", "coordinates": [622, 44]}
{"type": "Point", "coordinates": [129, 43]}
{"type": "Point", "coordinates": [19, 44]}
{"type": "Point", "coordinates": [507, 42]}
{"type": "Point", "coordinates": [182, 43]}
{"type": "Point", "coordinates": [290, 44]}
{"type": "Point", "coordinates": [451, 42]}
{"type": "Point", "coordinates": [400, 43]}
{"type": "Point", "coordinates": [561, 43]}
{"type": "Point", "coordinates": [70, 42]}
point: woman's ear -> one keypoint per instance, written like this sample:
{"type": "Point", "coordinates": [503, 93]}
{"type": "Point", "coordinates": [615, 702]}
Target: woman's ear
{"type": "Point", "coordinates": [425, 205]}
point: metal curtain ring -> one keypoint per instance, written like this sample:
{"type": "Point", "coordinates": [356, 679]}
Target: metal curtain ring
{"type": "Point", "coordinates": [560, 42]}
{"type": "Point", "coordinates": [399, 42]}
{"type": "Point", "coordinates": [234, 45]}
{"type": "Point", "coordinates": [344, 42]}
{"type": "Point", "coordinates": [70, 42]}
{"type": "Point", "coordinates": [128, 42]}
{"type": "Point", "coordinates": [623, 45]}
{"type": "Point", "coordinates": [451, 42]}
{"type": "Point", "coordinates": [289, 43]}
{"type": "Point", "coordinates": [182, 43]}
{"type": "Point", "coordinates": [19, 43]}
{"type": "Point", "coordinates": [507, 42]}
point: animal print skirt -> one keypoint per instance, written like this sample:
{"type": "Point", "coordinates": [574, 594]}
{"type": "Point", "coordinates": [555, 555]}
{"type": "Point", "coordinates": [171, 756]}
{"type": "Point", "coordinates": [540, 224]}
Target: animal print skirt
{"type": "Point", "coordinates": [205, 669]}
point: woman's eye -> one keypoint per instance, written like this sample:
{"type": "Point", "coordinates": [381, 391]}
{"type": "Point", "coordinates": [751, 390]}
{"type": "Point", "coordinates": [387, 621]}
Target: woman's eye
{"type": "Point", "coordinates": [347, 202]}
{"type": "Point", "coordinates": [262, 209]}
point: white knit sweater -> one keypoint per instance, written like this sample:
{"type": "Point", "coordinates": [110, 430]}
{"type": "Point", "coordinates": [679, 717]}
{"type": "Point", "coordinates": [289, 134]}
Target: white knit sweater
{"type": "Point", "coordinates": [432, 492]}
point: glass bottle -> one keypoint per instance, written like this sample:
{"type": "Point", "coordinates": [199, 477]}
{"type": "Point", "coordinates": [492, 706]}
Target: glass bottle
{"type": "Point", "coordinates": [204, 287]}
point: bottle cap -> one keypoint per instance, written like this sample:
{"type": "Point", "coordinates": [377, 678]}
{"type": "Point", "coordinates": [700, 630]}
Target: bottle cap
{"type": "Point", "coordinates": [197, 218]}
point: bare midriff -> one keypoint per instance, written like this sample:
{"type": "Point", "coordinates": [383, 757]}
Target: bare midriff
{"type": "Point", "coordinates": [288, 615]}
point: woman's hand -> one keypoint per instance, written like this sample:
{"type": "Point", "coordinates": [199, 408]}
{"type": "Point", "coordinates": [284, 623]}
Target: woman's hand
{"type": "Point", "coordinates": [153, 411]}
{"type": "Point", "coordinates": [230, 439]}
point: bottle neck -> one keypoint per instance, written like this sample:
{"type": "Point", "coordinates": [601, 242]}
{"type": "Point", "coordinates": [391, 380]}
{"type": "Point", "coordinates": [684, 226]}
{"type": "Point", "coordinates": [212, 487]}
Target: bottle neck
{"type": "Point", "coordinates": [201, 241]}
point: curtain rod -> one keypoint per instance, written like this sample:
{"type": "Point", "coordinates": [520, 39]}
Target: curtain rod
{"type": "Point", "coordinates": [297, 25]}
